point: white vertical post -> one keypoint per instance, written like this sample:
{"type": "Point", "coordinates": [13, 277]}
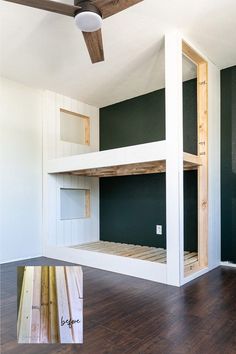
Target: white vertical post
{"type": "Point", "coordinates": [174, 159]}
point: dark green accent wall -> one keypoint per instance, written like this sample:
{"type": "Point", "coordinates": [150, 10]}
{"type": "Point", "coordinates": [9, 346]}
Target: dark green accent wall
{"type": "Point", "coordinates": [228, 164]}
{"type": "Point", "coordinates": [190, 116]}
{"type": "Point", "coordinates": [131, 206]}
{"type": "Point", "coordinates": [141, 120]}
{"type": "Point", "coordinates": [136, 121]}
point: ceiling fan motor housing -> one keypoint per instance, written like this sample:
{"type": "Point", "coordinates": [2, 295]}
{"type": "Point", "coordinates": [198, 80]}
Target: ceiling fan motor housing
{"type": "Point", "coordinates": [88, 17]}
{"type": "Point", "coordinates": [86, 5]}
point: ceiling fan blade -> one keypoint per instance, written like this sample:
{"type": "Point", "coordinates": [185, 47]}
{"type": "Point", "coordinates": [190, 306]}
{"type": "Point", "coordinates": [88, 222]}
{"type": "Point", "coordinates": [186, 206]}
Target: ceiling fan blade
{"type": "Point", "coordinates": [94, 44]}
{"type": "Point", "coordinates": [111, 7]}
{"type": "Point", "coordinates": [48, 5]}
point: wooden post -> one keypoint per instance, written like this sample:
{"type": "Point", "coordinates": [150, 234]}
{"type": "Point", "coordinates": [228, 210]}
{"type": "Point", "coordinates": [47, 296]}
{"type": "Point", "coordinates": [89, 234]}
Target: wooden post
{"type": "Point", "coordinates": [203, 169]}
{"type": "Point", "coordinates": [202, 114]}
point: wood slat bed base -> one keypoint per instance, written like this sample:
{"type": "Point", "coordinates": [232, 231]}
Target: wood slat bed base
{"type": "Point", "coordinates": [146, 253]}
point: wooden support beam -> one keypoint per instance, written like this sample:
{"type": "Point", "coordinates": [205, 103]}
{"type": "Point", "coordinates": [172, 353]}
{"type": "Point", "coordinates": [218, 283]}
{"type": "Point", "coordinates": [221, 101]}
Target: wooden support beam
{"type": "Point", "coordinates": [203, 170]}
{"type": "Point", "coordinates": [192, 160]}
{"type": "Point", "coordinates": [192, 54]}
{"type": "Point", "coordinates": [202, 114]}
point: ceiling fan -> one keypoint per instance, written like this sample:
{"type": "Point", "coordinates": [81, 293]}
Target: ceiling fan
{"type": "Point", "coordinates": [88, 15]}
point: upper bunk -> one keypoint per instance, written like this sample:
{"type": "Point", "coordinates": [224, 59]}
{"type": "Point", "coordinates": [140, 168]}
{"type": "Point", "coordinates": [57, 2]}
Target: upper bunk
{"type": "Point", "coordinates": [131, 133]}
{"type": "Point", "coordinates": [131, 160]}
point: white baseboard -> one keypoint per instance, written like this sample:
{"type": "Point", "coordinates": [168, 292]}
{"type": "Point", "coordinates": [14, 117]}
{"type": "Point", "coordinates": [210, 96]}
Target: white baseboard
{"type": "Point", "coordinates": [20, 259]}
{"type": "Point", "coordinates": [228, 264]}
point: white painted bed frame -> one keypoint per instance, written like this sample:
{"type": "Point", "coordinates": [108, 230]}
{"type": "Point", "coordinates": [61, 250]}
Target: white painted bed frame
{"type": "Point", "coordinates": [62, 158]}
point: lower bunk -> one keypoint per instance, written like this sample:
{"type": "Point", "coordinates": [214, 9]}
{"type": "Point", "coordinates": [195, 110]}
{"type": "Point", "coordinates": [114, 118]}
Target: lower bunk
{"type": "Point", "coordinates": [143, 262]}
{"type": "Point", "coordinates": [146, 253]}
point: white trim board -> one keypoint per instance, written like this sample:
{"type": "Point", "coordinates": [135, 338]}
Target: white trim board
{"type": "Point", "coordinates": [122, 156]}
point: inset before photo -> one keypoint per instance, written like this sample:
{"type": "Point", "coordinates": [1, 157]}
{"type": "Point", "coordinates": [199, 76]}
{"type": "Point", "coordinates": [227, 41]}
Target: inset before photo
{"type": "Point", "coordinates": [50, 304]}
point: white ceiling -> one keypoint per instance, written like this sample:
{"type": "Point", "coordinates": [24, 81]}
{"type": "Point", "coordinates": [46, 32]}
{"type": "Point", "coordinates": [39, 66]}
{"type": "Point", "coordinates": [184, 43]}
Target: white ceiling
{"type": "Point", "coordinates": [47, 51]}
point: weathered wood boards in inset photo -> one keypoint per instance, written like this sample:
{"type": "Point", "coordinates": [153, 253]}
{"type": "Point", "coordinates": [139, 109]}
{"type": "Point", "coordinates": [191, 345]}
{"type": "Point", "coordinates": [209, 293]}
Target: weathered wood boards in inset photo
{"type": "Point", "coordinates": [51, 305]}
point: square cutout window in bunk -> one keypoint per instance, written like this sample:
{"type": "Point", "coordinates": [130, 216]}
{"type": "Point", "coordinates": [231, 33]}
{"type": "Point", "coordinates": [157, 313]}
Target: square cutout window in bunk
{"type": "Point", "coordinates": [75, 203]}
{"type": "Point", "coordinates": [74, 127]}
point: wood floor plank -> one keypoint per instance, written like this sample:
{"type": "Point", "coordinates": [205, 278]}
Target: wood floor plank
{"type": "Point", "coordinates": [65, 333]}
{"type": "Point", "coordinates": [20, 305]}
{"type": "Point", "coordinates": [78, 273]}
{"type": "Point", "coordinates": [24, 327]}
{"type": "Point", "coordinates": [36, 304]}
{"type": "Point", "coordinates": [53, 317]}
{"type": "Point", "coordinates": [44, 323]}
{"type": "Point", "coordinates": [75, 303]}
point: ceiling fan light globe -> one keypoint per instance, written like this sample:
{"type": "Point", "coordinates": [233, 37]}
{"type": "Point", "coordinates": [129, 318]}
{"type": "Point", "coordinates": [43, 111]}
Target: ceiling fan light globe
{"type": "Point", "coordinates": [88, 21]}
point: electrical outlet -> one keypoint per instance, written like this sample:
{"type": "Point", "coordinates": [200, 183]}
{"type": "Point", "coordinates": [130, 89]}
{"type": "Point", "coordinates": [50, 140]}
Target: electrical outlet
{"type": "Point", "coordinates": [159, 229]}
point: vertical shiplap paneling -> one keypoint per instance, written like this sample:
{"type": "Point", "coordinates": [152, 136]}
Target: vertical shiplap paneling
{"type": "Point", "coordinates": [59, 224]}
{"type": "Point", "coordinates": [68, 232]}
{"type": "Point", "coordinates": [71, 232]}
{"type": "Point", "coordinates": [61, 148]}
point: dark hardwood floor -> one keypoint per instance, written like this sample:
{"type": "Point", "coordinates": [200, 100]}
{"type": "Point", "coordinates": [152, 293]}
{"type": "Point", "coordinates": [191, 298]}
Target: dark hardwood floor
{"type": "Point", "coordinates": [128, 315]}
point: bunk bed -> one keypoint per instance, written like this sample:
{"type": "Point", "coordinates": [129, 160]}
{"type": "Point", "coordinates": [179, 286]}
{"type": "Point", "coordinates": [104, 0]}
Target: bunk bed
{"type": "Point", "coordinates": [172, 265]}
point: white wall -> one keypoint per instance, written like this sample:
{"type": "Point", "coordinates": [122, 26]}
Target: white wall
{"type": "Point", "coordinates": [20, 171]}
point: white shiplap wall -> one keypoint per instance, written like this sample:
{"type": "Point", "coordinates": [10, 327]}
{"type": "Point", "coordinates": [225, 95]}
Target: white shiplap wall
{"type": "Point", "coordinates": [72, 232]}
{"type": "Point", "coordinates": [54, 146]}
{"type": "Point", "coordinates": [59, 232]}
